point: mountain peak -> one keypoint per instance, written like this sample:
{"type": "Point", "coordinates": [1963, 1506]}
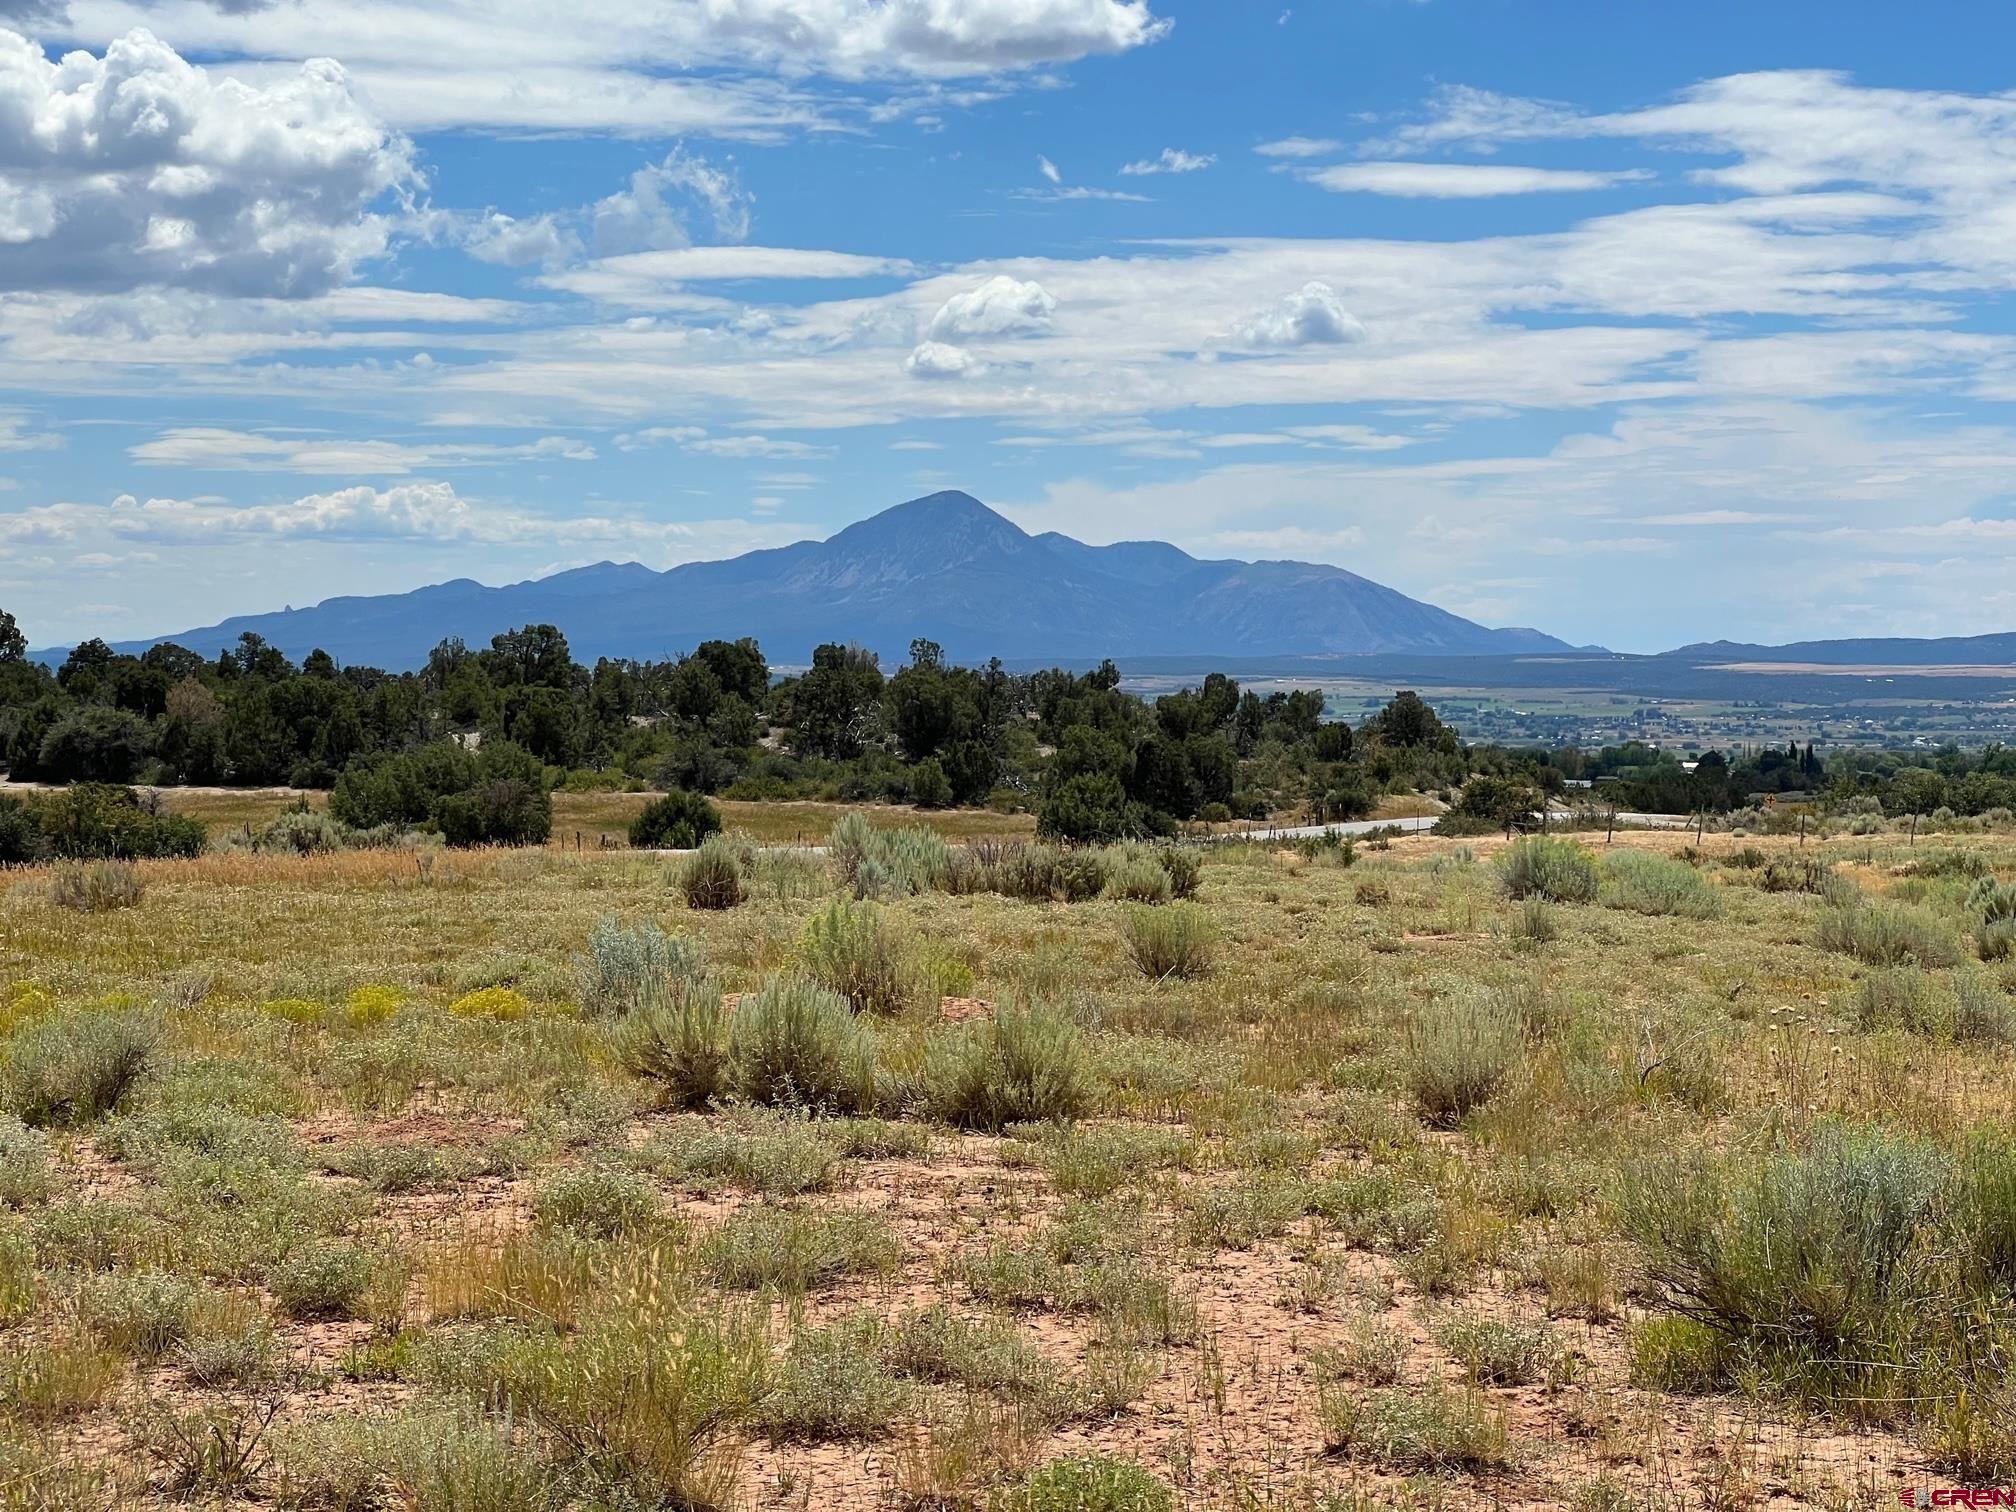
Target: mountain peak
{"type": "Point", "coordinates": [945, 567]}
{"type": "Point", "coordinates": [940, 530]}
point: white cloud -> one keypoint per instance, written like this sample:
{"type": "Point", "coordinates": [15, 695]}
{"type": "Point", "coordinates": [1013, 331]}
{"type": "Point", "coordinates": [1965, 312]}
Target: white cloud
{"type": "Point", "coordinates": [1082, 192]}
{"type": "Point", "coordinates": [1461, 180]}
{"type": "Point", "coordinates": [15, 436]}
{"type": "Point", "coordinates": [695, 438]}
{"type": "Point", "coordinates": [1171, 160]}
{"type": "Point", "coordinates": [1312, 316]}
{"type": "Point", "coordinates": [220, 449]}
{"type": "Point", "coordinates": [639, 218]}
{"type": "Point", "coordinates": [726, 67]}
{"type": "Point", "coordinates": [137, 168]}
{"type": "Point", "coordinates": [1001, 306]}
{"type": "Point", "coordinates": [936, 359]}
{"type": "Point", "coordinates": [754, 446]}
{"type": "Point", "coordinates": [1049, 169]}
{"type": "Point", "coordinates": [1299, 147]}
{"type": "Point", "coordinates": [499, 238]}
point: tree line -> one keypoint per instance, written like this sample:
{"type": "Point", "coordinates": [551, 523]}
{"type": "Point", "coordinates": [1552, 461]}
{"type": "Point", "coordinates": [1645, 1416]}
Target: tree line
{"type": "Point", "coordinates": [473, 743]}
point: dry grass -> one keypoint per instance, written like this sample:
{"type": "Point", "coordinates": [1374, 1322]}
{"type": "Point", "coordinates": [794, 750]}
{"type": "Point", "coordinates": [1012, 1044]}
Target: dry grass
{"type": "Point", "coordinates": [1269, 1264]}
{"type": "Point", "coordinates": [596, 821]}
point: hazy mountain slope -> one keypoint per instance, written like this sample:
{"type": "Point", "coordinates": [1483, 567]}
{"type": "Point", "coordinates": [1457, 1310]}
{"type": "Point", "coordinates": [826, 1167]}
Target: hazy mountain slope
{"type": "Point", "coordinates": [1869, 651]}
{"type": "Point", "coordinates": [945, 566]}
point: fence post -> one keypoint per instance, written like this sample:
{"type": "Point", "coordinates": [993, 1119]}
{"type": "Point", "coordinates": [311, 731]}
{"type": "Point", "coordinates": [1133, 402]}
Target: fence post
{"type": "Point", "coordinates": [1610, 829]}
{"type": "Point", "coordinates": [1914, 829]}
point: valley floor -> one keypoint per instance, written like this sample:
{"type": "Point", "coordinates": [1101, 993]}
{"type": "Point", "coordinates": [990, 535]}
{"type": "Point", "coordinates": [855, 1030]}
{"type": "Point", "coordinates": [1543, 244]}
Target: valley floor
{"type": "Point", "coordinates": [388, 1180]}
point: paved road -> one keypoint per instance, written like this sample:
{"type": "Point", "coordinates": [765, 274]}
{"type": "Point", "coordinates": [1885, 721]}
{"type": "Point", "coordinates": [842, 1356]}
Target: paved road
{"type": "Point", "coordinates": [1415, 826]}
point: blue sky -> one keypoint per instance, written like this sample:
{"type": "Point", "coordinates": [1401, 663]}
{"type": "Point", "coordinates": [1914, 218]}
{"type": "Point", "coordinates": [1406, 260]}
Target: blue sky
{"type": "Point", "coordinates": [1637, 324]}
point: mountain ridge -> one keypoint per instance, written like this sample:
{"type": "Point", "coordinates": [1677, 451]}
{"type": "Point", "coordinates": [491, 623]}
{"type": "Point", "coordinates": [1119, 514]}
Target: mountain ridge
{"type": "Point", "coordinates": [944, 566]}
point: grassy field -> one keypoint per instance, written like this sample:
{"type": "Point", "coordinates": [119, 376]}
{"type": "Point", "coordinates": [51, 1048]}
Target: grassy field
{"type": "Point", "coordinates": [601, 820]}
{"type": "Point", "coordinates": [1425, 1176]}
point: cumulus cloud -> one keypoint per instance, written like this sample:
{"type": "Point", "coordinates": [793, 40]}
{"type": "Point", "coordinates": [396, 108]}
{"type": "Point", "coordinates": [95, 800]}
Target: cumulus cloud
{"type": "Point", "coordinates": [739, 68]}
{"type": "Point", "coordinates": [1463, 180]}
{"type": "Point", "coordinates": [1172, 160]}
{"type": "Point", "coordinates": [938, 360]}
{"type": "Point", "coordinates": [1312, 316]}
{"type": "Point", "coordinates": [1001, 306]}
{"type": "Point", "coordinates": [427, 509]}
{"type": "Point", "coordinates": [137, 168]}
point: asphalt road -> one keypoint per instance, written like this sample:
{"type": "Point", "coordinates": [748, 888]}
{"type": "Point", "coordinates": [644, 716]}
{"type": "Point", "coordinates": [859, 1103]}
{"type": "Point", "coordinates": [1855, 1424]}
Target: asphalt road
{"type": "Point", "coordinates": [1415, 826]}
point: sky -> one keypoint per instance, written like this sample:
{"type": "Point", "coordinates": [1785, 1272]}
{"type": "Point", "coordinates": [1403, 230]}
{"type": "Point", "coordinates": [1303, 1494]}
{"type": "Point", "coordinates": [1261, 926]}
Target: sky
{"type": "Point", "coordinates": [1641, 325]}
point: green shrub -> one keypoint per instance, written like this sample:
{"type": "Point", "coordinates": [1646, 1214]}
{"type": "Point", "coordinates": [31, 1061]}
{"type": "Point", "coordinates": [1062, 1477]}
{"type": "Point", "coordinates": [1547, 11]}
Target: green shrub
{"type": "Point", "coordinates": [898, 862]}
{"type": "Point", "coordinates": [1091, 1483]}
{"type": "Point", "coordinates": [625, 967]}
{"type": "Point", "coordinates": [94, 821]}
{"type": "Point", "coordinates": [796, 1044]}
{"type": "Point", "coordinates": [1536, 923]}
{"type": "Point", "coordinates": [850, 948]}
{"type": "Point", "coordinates": [24, 1164]}
{"type": "Point", "coordinates": [711, 877]}
{"type": "Point", "coordinates": [1178, 941]}
{"type": "Point", "coordinates": [420, 1458]}
{"type": "Point", "coordinates": [141, 1314]}
{"type": "Point", "coordinates": [795, 1250]}
{"type": "Point", "coordinates": [1671, 1353]}
{"type": "Point", "coordinates": [778, 1156]}
{"type": "Point", "coordinates": [74, 1067]}
{"type": "Point", "coordinates": [1542, 866]}
{"type": "Point", "coordinates": [1047, 873]}
{"type": "Point", "coordinates": [1461, 1049]}
{"type": "Point", "coordinates": [325, 1280]}
{"type": "Point", "coordinates": [96, 886]}
{"type": "Point", "coordinates": [1983, 1013]}
{"type": "Point", "coordinates": [678, 1038]}
{"type": "Point", "coordinates": [1436, 1429]}
{"type": "Point", "coordinates": [1794, 874]}
{"type": "Point", "coordinates": [832, 1384]}
{"type": "Point", "coordinates": [1497, 1352]}
{"type": "Point", "coordinates": [22, 842]}
{"type": "Point", "coordinates": [1644, 883]}
{"type": "Point", "coordinates": [1791, 1248]}
{"type": "Point", "coordinates": [597, 1202]}
{"type": "Point", "coordinates": [948, 1347]}
{"type": "Point", "coordinates": [678, 821]}
{"type": "Point", "coordinates": [1023, 1065]}
{"type": "Point", "coordinates": [1183, 865]}
{"type": "Point", "coordinates": [18, 1287]}
{"type": "Point", "coordinates": [1900, 997]}
{"type": "Point", "coordinates": [638, 1401]}
{"type": "Point", "coordinates": [1994, 901]}
{"type": "Point", "coordinates": [494, 797]}
{"type": "Point", "coordinates": [1137, 877]}
{"type": "Point", "coordinates": [1888, 934]}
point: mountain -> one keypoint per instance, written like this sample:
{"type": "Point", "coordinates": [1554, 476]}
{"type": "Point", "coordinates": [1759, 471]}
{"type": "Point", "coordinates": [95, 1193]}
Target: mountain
{"type": "Point", "coordinates": [1998, 650]}
{"type": "Point", "coordinates": [945, 567]}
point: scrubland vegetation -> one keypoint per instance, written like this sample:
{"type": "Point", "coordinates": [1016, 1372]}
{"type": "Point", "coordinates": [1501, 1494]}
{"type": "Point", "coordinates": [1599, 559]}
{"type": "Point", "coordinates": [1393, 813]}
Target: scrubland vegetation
{"type": "Point", "coordinates": [921, 1174]}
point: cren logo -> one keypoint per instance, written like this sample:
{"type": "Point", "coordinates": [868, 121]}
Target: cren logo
{"type": "Point", "coordinates": [1956, 1496]}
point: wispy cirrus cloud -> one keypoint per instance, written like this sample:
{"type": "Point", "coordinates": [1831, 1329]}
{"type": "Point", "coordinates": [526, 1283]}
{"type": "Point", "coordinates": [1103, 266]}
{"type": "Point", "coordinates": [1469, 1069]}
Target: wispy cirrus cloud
{"type": "Point", "coordinates": [1464, 180]}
